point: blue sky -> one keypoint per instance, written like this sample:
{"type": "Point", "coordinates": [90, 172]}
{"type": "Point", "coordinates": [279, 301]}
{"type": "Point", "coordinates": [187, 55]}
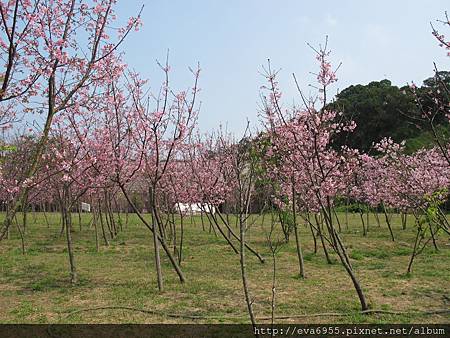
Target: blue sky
{"type": "Point", "coordinates": [232, 40]}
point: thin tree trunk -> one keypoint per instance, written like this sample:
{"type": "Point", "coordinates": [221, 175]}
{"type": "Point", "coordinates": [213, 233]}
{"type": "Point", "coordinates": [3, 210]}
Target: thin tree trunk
{"type": "Point", "coordinates": [174, 235]}
{"type": "Point", "coordinates": [413, 254]}
{"type": "Point", "coordinates": [248, 300]}
{"type": "Point", "coordinates": [274, 275]}
{"type": "Point", "coordinates": [108, 224]}
{"type": "Point", "coordinates": [253, 251]}
{"type": "Point", "coordinates": [157, 260]}
{"type": "Point", "coordinates": [362, 220]}
{"type": "Point", "coordinates": [404, 219]}
{"type": "Point", "coordinates": [118, 212]}
{"type": "Point", "coordinates": [97, 245]}
{"type": "Point", "coordinates": [313, 236]}
{"type": "Point", "coordinates": [25, 218]}
{"type": "Point", "coordinates": [297, 239]}
{"type": "Point", "coordinates": [202, 220]}
{"type": "Point", "coordinates": [63, 219]}
{"type": "Point", "coordinates": [433, 237]}
{"type": "Point", "coordinates": [45, 216]}
{"type": "Point", "coordinates": [34, 165]}
{"type": "Point", "coordinates": [346, 212]}
{"type": "Point", "coordinates": [367, 218]}
{"type": "Point", "coordinates": [211, 226]}
{"type": "Point", "coordinates": [21, 236]}
{"type": "Point", "coordinates": [33, 210]}
{"type": "Point", "coordinates": [180, 253]}
{"type": "Point", "coordinates": [68, 221]}
{"type": "Point", "coordinates": [319, 231]}
{"type": "Point", "coordinates": [79, 216]}
{"type": "Point", "coordinates": [102, 225]}
{"type": "Point", "coordinates": [155, 239]}
{"type": "Point", "coordinates": [212, 219]}
{"type": "Point", "coordinates": [377, 218]}
{"type": "Point", "coordinates": [161, 240]}
{"type": "Point", "coordinates": [388, 222]}
{"type": "Point", "coordinates": [337, 220]}
{"type": "Point", "coordinates": [342, 254]}
{"type": "Point", "coordinates": [228, 222]}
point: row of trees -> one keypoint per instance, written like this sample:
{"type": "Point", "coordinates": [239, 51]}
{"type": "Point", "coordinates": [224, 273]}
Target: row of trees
{"type": "Point", "coordinates": [107, 138]}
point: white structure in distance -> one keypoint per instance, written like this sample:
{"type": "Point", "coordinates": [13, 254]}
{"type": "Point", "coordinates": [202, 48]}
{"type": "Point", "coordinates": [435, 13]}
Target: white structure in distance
{"type": "Point", "coordinates": [85, 207]}
{"type": "Point", "coordinates": [195, 208]}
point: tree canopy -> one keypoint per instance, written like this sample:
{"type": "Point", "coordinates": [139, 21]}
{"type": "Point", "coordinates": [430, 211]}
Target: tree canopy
{"type": "Point", "coordinates": [381, 109]}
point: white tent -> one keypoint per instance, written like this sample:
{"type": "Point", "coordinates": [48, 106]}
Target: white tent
{"type": "Point", "coordinates": [195, 208]}
{"type": "Point", "coordinates": [85, 207]}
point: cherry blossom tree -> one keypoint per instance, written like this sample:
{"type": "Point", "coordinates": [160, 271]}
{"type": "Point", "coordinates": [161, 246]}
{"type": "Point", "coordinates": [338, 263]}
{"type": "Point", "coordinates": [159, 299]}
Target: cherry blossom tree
{"type": "Point", "coordinates": [314, 172]}
{"type": "Point", "coordinates": [67, 46]}
{"type": "Point", "coordinates": [136, 142]}
{"type": "Point", "coordinates": [419, 182]}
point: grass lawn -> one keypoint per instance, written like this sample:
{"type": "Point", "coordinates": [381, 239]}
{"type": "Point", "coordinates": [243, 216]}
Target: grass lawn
{"type": "Point", "coordinates": [34, 288]}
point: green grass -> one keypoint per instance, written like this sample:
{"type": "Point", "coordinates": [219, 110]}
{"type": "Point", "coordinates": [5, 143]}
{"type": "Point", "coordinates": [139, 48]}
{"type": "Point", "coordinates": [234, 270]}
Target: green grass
{"type": "Point", "coordinates": [34, 288]}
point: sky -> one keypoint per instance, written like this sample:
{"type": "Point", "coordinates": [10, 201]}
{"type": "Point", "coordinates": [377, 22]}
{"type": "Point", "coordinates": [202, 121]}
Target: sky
{"type": "Point", "coordinates": [233, 39]}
